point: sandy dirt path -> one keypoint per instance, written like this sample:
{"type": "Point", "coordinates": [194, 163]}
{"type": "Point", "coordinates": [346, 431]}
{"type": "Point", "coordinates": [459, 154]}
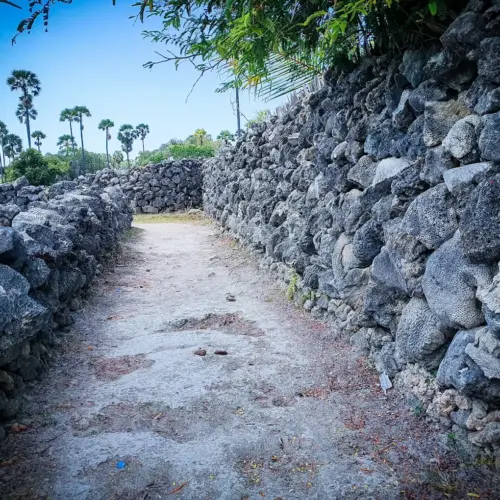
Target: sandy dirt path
{"type": "Point", "coordinates": [129, 411]}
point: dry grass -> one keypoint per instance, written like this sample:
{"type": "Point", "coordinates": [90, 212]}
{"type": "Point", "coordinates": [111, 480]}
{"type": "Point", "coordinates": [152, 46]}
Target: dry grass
{"type": "Point", "coordinates": [191, 217]}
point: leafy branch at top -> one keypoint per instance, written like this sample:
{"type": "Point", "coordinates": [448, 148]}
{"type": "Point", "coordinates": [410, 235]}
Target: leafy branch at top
{"type": "Point", "coordinates": [275, 46]}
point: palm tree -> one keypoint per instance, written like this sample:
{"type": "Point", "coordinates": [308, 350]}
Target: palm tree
{"type": "Point", "coordinates": [200, 135]}
{"type": "Point", "coordinates": [12, 146]}
{"type": "Point", "coordinates": [66, 142]}
{"type": "Point", "coordinates": [143, 130]}
{"type": "Point", "coordinates": [3, 133]}
{"type": "Point", "coordinates": [25, 111]}
{"type": "Point", "coordinates": [117, 158]}
{"type": "Point", "coordinates": [69, 115]}
{"type": "Point", "coordinates": [80, 112]}
{"type": "Point", "coordinates": [106, 125]}
{"type": "Point", "coordinates": [38, 136]}
{"type": "Point", "coordinates": [225, 136]}
{"type": "Point", "coordinates": [127, 135]}
{"type": "Point", "coordinates": [29, 85]}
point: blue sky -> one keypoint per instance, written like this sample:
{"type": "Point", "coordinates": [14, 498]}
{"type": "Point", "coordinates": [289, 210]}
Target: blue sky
{"type": "Point", "coordinates": [92, 55]}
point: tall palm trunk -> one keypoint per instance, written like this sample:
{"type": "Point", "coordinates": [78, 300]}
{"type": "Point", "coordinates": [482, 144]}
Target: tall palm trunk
{"type": "Point", "coordinates": [128, 160]}
{"type": "Point", "coordinates": [28, 131]}
{"type": "Point", "coordinates": [142, 139]}
{"type": "Point", "coordinates": [83, 149]}
{"type": "Point", "coordinates": [38, 146]}
{"type": "Point", "coordinates": [72, 138]}
{"type": "Point", "coordinates": [107, 152]}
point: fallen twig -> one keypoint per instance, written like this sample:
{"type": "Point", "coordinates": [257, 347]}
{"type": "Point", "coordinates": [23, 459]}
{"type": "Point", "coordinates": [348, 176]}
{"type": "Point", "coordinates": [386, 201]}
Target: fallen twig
{"type": "Point", "coordinates": [179, 488]}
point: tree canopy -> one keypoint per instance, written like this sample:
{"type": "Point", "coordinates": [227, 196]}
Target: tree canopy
{"type": "Point", "coordinates": [276, 46]}
{"type": "Point", "coordinates": [39, 170]}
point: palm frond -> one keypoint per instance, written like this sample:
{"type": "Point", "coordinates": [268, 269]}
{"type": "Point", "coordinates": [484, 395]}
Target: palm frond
{"type": "Point", "coordinates": [286, 74]}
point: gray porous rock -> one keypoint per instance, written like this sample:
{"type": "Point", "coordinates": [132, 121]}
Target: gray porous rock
{"type": "Point", "coordinates": [480, 224]}
{"type": "Point", "coordinates": [462, 141]}
{"type": "Point", "coordinates": [451, 282]}
{"type": "Point", "coordinates": [437, 162]}
{"type": "Point", "coordinates": [465, 33]}
{"type": "Point", "coordinates": [456, 178]}
{"type": "Point", "coordinates": [431, 217]}
{"type": "Point", "coordinates": [457, 370]}
{"type": "Point", "coordinates": [489, 59]}
{"type": "Point", "coordinates": [420, 337]}
{"type": "Point", "coordinates": [489, 140]}
{"type": "Point", "coordinates": [440, 118]}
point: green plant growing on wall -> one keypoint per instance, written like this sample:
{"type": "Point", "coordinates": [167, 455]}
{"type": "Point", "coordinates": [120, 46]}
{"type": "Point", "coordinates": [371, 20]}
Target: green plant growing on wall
{"type": "Point", "coordinates": [292, 285]}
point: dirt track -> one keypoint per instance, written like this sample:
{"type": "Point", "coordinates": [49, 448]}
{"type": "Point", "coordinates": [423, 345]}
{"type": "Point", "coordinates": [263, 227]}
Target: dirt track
{"type": "Point", "coordinates": [128, 411]}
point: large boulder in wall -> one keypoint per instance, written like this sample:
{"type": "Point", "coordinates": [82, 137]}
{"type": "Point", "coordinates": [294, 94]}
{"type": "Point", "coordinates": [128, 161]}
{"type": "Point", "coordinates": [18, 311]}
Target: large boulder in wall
{"type": "Point", "coordinates": [451, 282]}
{"type": "Point", "coordinates": [431, 218]}
{"type": "Point", "coordinates": [480, 223]}
{"type": "Point", "coordinates": [420, 337]}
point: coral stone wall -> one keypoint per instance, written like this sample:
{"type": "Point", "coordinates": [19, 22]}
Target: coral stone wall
{"type": "Point", "coordinates": [164, 187]}
{"type": "Point", "coordinates": [51, 244]}
{"type": "Point", "coordinates": [378, 199]}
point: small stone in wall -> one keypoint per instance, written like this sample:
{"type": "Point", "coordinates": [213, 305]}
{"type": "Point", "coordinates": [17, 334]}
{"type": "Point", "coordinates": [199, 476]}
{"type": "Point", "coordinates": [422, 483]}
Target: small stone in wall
{"type": "Point", "coordinates": [389, 168]}
{"type": "Point", "coordinates": [440, 118]}
{"type": "Point", "coordinates": [462, 141]}
{"type": "Point", "coordinates": [458, 177]}
{"type": "Point", "coordinates": [489, 140]}
{"type": "Point", "coordinates": [489, 59]}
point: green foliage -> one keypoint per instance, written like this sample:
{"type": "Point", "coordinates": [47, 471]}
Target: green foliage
{"type": "Point", "coordinates": [25, 109]}
{"type": "Point", "coordinates": [38, 135]}
{"type": "Point", "coordinates": [225, 136]}
{"type": "Point", "coordinates": [276, 46]}
{"type": "Point", "coordinates": [292, 285]}
{"type": "Point", "coordinates": [127, 135]}
{"type": "Point", "coordinates": [147, 157]}
{"type": "Point", "coordinates": [79, 112]}
{"type": "Point", "coordinates": [28, 84]}
{"type": "Point", "coordinates": [66, 144]}
{"type": "Point", "coordinates": [201, 137]}
{"type": "Point", "coordinates": [180, 151]}
{"type": "Point", "coordinates": [24, 81]}
{"type": "Point", "coordinates": [12, 145]}
{"type": "Point", "coordinates": [197, 145]}
{"type": "Point", "coordinates": [39, 170]}
{"type": "Point", "coordinates": [93, 162]}
{"type": "Point", "coordinates": [4, 131]}
{"type": "Point", "coordinates": [106, 125]}
{"type": "Point", "coordinates": [117, 159]}
{"type": "Point", "coordinates": [261, 117]}
{"type": "Point", "coordinates": [142, 131]}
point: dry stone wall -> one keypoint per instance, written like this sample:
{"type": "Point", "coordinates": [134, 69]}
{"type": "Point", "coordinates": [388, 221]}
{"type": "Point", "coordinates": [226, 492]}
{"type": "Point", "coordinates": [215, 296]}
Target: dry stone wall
{"type": "Point", "coordinates": [52, 243]}
{"type": "Point", "coordinates": [164, 187]}
{"type": "Point", "coordinates": [377, 199]}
